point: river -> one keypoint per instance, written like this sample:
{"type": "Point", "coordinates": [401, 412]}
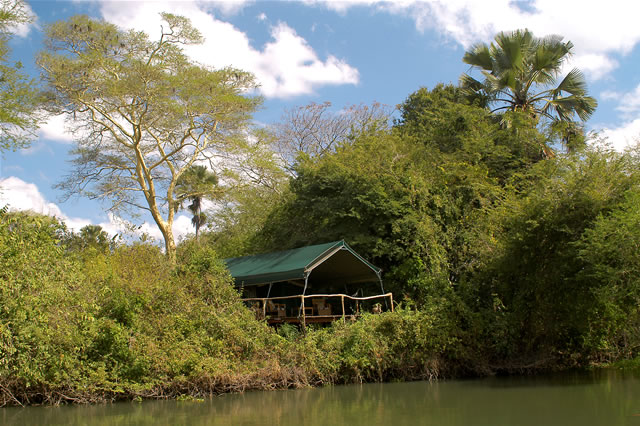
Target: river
{"type": "Point", "coordinates": [603, 398]}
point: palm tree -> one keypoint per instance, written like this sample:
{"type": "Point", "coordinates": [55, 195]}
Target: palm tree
{"type": "Point", "coordinates": [195, 184]}
{"type": "Point", "coordinates": [198, 218]}
{"type": "Point", "coordinates": [520, 73]}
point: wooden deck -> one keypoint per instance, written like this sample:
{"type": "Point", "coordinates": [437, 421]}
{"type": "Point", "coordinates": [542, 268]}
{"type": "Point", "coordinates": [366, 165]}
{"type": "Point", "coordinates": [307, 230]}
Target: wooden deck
{"type": "Point", "coordinates": [309, 319]}
{"type": "Point", "coordinates": [297, 309]}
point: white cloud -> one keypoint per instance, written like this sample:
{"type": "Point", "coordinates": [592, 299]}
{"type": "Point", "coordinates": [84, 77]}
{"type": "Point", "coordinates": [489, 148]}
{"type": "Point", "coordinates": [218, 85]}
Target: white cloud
{"type": "Point", "coordinates": [596, 65]}
{"type": "Point", "coordinates": [55, 129]}
{"type": "Point", "coordinates": [228, 7]}
{"type": "Point", "coordinates": [23, 196]}
{"type": "Point", "coordinates": [624, 135]}
{"type": "Point", "coordinates": [341, 6]}
{"type": "Point", "coordinates": [597, 29]}
{"type": "Point", "coordinates": [289, 66]}
{"type": "Point", "coordinates": [182, 226]}
{"type": "Point", "coordinates": [627, 133]}
{"type": "Point", "coordinates": [608, 95]}
{"type": "Point", "coordinates": [22, 30]}
{"type": "Point", "coordinates": [286, 66]}
{"type": "Point", "coordinates": [628, 103]}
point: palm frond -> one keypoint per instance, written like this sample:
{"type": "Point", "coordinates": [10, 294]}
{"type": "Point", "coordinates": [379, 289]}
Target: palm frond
{"type": "Point", "coordinates": [582, 106]}
{"type": "Point", "coordinates": [573, 83]}
{"type": "Point", "coordinates": [479, 56]}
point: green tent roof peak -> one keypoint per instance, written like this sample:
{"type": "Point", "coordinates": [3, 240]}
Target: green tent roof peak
{"type": "Point", "coordinates": [286, 265]}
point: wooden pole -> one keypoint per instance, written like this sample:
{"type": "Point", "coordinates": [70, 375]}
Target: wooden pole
{"type": "Point", "coordinates": [264, 308]}
{"type": "Point", "coordinates": [391, 299]}
{"type": "Point", "coordinates": [342, 299]}
{"type": "Point", "coordinates": [304, 319]}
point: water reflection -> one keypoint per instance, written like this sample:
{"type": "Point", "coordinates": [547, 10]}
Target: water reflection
{"type": "Point", "coordinates": [599, 398]}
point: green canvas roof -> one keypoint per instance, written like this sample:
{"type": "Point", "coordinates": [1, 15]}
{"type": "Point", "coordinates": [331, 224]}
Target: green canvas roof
{"type": "Point", "coordinates": [334, 259]}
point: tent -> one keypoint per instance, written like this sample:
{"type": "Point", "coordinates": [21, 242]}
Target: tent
{"type": "Point", "coordinates": [325, 267]}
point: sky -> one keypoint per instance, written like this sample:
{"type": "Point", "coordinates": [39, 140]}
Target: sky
{"type": "Point", "coordinates": [344, 52]}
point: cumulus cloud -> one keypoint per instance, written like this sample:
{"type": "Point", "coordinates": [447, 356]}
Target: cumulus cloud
{"type": "Point", "coordinates": [622, 136]}
{"type": "Point", "coordinates": [23, 30]}
{"type": "Point", "coordinates": [627, 133]}
{"type": "Point", "coordinates": [22, 196]}
{"type": "Point", "coordinates": [628, 103]}
{"type": "Point", "coordinates": [55, 129]}
{"type": "Point", "coordinates": [597, 29]}
{"type": "Point", "coordinates": [286, 66]}
{"type": "Point", "coordinates": [228, 7]}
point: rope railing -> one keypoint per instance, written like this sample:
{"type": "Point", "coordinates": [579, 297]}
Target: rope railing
{"type": "Point", "coordinates": [302, 311]}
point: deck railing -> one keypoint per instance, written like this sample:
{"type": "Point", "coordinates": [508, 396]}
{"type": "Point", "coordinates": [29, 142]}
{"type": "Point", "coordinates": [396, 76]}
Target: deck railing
{"type": "Point", "coordinates": [302, 310]}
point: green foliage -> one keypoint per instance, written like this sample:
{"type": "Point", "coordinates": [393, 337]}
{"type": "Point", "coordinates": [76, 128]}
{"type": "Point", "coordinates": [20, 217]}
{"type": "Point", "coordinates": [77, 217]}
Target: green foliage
{"type": "Point", "coordinates": [19, 95]}
{"type": "Point", "coordinates": [407, 199]}
{"type": "Point", "coordinates": [405, 344]}
{"type": "Point", "coordinates": [505, 256]}
{"type": "Point", "coordinates": [540, 296]}
{"type": "Point", "coordinates": [121, 322]}
{"type": "Point", "coordinates": [520, 73]}
{"type": "Point", "coordinates": [442, 119]}
{"type": "Point", "coordinates": [609, 250]}
{"type": "Point", "coordinates": [364, 194]}
{"type": "Point", "coordinates": [32, 264]}
{"type": "Point", "coordinates": [90, 238]}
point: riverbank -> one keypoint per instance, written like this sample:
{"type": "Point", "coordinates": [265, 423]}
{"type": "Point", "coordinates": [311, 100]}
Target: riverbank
{"type": "Point", "coordinates": [589, 399]}
{"type": "Point", "coordinates": [391, 346]}
{"type": "Point", "coordinates": [106, 325]}
{"type": "Point", "coordinates": [120, 323]}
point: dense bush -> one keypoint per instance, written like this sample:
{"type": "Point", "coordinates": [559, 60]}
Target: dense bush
{"type": "Point", "coordinates": [123, 323]}
{"type": "Point", "coordinates": [548, 280]}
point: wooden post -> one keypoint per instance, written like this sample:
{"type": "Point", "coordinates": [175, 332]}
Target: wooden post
{"type": "Point", "coordinates": [264, 308]}
{"type": "Point", "coordinates": [357, 307]}
{"type": "Point", "coordinates": [342, 300]}
{"type": "Point", "coordinates": [304, 319]}
{"type": "Point", "coordinates": [391, 299]}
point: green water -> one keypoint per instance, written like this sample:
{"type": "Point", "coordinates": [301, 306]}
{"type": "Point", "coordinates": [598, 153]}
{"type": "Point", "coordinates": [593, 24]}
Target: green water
{"type": "Point", "coordinates": [585, 399]}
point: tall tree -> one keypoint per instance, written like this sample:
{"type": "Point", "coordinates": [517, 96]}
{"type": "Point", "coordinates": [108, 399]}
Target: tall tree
{"type": "Point", "coordinates": [143, 112]}
{"type": "Point", "coordinates": [195, 184]}
{"type": "Point", "coordinates": [520, 73]}
{"type": "Point", "coordinates": [314, 130]}
{"type": "Point", "coordinates": [19, 97]}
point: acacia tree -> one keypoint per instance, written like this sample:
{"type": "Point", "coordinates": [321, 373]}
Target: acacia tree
{"type": "Point", "coordinates": [19, 98]}
{"type": "Point", "coordinates": [142, 112]}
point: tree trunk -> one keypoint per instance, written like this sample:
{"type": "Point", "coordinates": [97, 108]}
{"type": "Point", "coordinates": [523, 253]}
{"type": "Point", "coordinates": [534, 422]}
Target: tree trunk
{"type": "Point", "coordinates": [169, 244]}
{"type": "Point", "coordinates": [166, 229]}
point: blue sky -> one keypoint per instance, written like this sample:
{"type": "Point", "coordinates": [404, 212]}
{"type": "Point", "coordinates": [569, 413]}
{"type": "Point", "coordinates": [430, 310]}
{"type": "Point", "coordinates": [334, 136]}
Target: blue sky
{"type": "Point", "coordinates": [344, 52]}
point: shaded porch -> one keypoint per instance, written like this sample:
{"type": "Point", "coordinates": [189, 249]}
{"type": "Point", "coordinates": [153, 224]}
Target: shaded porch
{"type": "Point", "coordinates": [317, 308]}
{"type": "Point", "coordinates": [319, 283]}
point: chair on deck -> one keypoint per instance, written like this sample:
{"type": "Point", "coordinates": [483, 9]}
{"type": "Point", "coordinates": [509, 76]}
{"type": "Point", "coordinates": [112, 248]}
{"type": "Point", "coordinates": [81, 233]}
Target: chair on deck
{"type": "Point", "coordinates": [321, 307]}
{"type": "Point", "coordinates": [277, 309]}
